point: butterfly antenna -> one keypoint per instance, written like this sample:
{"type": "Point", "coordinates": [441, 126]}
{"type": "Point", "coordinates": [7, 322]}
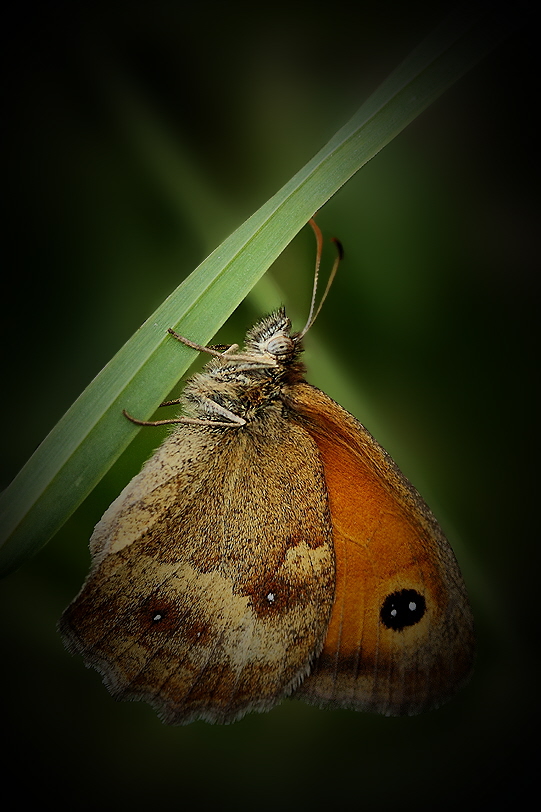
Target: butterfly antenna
{"type": "Point", "coordinates": [340, 254]}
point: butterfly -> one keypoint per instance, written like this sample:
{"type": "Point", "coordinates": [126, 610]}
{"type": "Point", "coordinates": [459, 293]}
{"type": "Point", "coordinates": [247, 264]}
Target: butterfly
{"type": "Point", "coordinates": [271, 548]}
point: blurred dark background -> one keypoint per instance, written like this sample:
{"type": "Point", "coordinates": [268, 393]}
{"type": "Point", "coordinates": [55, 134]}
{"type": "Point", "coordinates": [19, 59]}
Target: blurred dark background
{"type": "Point", "coordinates": [139, 136]}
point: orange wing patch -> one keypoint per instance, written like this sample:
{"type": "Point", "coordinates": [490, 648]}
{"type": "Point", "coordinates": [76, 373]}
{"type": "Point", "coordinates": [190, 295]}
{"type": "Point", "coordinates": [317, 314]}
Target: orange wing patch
{"type": "Point", "coordinates": [400, 637]}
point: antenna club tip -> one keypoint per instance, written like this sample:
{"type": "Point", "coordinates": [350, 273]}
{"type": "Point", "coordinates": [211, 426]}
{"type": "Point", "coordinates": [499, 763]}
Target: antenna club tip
{"type": "Point", "coordinates": [339, 247]}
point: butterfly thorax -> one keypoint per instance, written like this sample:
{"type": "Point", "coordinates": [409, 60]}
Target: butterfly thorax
{"type": "Point", "coordinates": [245, 384]}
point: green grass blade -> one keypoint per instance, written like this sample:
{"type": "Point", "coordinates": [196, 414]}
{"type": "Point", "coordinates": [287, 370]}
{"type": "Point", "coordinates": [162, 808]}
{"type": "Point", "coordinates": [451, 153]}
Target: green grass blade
{"type": "Point", "coordinates": [93, 433]}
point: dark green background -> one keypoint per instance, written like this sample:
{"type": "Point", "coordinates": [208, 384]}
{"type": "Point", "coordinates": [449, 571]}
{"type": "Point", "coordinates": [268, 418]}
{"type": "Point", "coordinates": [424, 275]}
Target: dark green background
{"type": "Point", "coordinates": [431, 324]}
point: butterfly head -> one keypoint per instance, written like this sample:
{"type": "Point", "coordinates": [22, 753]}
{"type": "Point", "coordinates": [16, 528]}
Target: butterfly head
{"type": "Point", "coordinates": [272, 336]}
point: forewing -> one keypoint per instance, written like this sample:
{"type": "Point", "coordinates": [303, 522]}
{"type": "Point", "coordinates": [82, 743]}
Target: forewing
{"type": "Point", "coordinates": [400, 638]}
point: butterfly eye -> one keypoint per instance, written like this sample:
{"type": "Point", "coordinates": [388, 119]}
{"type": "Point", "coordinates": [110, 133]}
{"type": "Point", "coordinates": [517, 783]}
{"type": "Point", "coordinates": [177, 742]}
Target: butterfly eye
{"type": "Point", "coordinates": [402, 609]}
{"type": "Point", "coordinates": [280, 345]}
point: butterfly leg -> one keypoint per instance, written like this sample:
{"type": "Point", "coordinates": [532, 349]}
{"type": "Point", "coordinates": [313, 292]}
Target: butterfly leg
{"type": "Point", "coordinates": [215, 409]}
{"type": "Point", "coordinates": [265, 360]}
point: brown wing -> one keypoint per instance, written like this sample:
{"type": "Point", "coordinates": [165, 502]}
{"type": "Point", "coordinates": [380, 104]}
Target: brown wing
{"type": "Point", "coordinates": [400, 638]}
{"type": "Point", "coordinates": [213, 573]}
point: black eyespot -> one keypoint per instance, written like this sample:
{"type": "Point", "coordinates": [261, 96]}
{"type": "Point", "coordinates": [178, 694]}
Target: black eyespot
{"type": "Point", "coordinates": [157, 614]}
{"type": "Point", "coordinates": [401, 609]}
